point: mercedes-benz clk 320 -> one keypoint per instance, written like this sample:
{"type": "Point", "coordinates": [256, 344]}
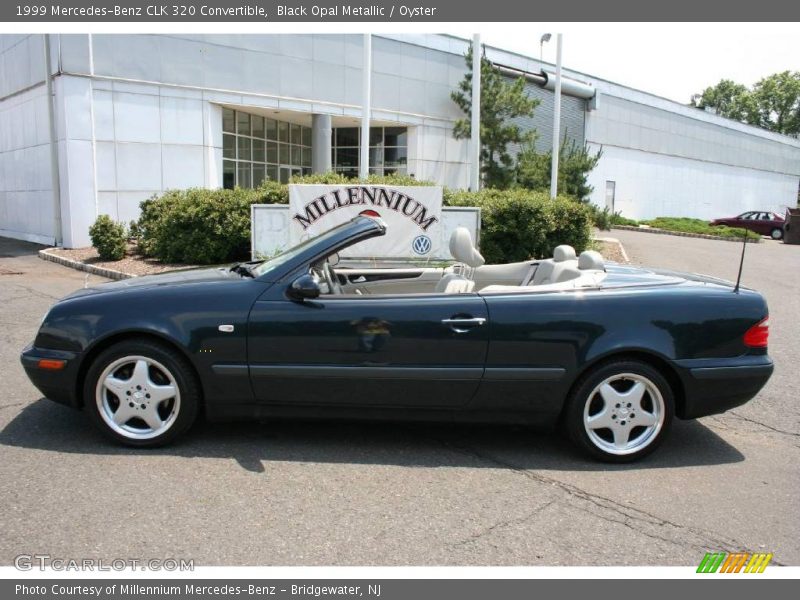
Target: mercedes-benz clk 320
{"type": "Point", "coordinates": [609, 352]}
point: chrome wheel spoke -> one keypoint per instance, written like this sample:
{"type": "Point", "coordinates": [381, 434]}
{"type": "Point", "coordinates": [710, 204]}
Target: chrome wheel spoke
{"type": "Point", "coordinates": [160, 393]}
{"type": "Point", "coordinates": [116, 386]}
{"type": "Point", "coordinates": [152, 418]}
{"type": "Point", "coordinates": [621, 436]}
{"type": "Point", "coordinates": [141, 374]}
{"type": "Point", "coordinates": [645, 418]}
{"type": "Point", "coordinates": [601, 420]}
{"type": "Point", "coordinates": [123, 414]}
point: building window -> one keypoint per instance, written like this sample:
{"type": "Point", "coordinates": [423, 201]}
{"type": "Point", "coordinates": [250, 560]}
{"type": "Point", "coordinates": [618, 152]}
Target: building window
{"type": "Point", "coordinates": [255, 148]}
{"type": "Point", "coordinates": [388, 150]}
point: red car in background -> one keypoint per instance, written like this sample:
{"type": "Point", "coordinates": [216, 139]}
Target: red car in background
{"type": "Point", "coordinates": [761, 222]}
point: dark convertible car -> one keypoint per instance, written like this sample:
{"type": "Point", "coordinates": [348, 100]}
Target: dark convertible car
{"type": "Point", "coordinates": [612, 353]}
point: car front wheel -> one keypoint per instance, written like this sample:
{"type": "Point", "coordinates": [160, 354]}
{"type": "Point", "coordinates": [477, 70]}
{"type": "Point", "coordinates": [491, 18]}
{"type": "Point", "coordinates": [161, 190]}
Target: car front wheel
{"type": "Point", "coordinates": [776, 234]}
{"type": "Point", "coordinates": [141, 393]}
{"type": "Point", "coordinates": [620, 411]}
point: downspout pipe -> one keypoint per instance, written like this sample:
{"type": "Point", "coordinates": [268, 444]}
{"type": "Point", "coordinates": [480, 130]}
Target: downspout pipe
{"type": "Point", "coordinates": [547, 80]}
{"type": "Point", "coordinates": [54, 172]}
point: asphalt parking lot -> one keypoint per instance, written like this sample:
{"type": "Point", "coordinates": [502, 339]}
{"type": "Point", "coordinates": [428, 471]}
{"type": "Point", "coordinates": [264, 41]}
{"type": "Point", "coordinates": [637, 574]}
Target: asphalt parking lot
{"type": "Point", "coordinates": [397, 494]}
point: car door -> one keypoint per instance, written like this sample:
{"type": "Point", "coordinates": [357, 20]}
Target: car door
{"type": "Point", "coordinates": [424, 350]}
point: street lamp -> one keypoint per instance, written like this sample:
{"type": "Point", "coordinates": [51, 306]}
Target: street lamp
{"type": "Point", "coordinates": [545, 38]}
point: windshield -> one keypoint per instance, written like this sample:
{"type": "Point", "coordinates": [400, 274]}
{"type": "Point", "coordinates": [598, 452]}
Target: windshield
{"type": "Point", "coordinates": [270, 264]}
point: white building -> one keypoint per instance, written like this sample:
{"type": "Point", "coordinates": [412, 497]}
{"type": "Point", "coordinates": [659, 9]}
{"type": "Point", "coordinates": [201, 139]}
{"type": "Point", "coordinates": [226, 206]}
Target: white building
{"type": "Point", "coordinates": [134, 115]}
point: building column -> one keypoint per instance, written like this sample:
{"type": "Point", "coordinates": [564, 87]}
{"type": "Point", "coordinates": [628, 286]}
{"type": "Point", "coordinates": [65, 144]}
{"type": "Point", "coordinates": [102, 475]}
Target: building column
{"type": "Point", "coordinates": [321, 133]}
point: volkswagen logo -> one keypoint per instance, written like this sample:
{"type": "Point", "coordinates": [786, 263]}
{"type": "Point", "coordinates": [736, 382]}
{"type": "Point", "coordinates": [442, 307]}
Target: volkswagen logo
{"type": "Point", "coordinates": [421, 244]}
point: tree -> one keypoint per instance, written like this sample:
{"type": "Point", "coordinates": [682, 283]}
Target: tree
{"type": "Point", "coordinates": [574, 165]}
{"type": "Point", "coordinates": [728, 99]}
{"type": "Point", "coordinates": [501, 101]}
{"type": "Point", "coordinates": [773, 103]}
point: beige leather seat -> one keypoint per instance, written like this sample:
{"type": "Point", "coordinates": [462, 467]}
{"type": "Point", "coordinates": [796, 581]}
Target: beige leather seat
{"type": "Point", "coordinates": [463, 250]}
{"type": "Point", "coordinates": [562, 267]}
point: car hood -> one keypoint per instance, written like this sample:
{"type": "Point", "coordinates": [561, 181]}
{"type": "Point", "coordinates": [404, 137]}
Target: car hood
{"type": "Point", "coordinates": [172, 278]}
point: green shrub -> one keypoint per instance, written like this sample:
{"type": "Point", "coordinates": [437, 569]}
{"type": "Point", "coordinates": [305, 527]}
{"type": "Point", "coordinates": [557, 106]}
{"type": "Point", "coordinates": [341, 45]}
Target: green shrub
{"type": "Point", "coordinates": [602, 219]}
{"type": "Point", "coordinates": [618, 219]}
{"type": "Point", "coordinates": [687, 225]}
{"type": "Point", "coordinates": [520, 224]}
{"type": "Point", "coordinates": [108, 237]}
{"type": "Point", "coordinates": [202, 226]}
{"type": "Point", "coordinates": [197, 225]}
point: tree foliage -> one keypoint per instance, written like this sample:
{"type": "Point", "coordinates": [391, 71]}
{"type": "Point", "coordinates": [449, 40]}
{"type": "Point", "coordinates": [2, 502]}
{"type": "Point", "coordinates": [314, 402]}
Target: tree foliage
{"type": "Point", "coordinates": [773, 103]}
{"type": "Point", "coordinates": [574, 165]}
{"type": "Point", "coordinates": [501, 101]}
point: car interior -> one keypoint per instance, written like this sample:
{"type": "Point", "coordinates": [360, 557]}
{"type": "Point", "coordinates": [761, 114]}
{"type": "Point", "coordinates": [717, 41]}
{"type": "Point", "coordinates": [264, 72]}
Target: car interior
{"type": "Point", "coordinates": [564, 271]}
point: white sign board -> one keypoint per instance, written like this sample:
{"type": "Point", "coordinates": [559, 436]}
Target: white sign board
{"type": "Point", "coordinates": [270, 230]}
{"type": "Point", "coordinates": [413, 217]}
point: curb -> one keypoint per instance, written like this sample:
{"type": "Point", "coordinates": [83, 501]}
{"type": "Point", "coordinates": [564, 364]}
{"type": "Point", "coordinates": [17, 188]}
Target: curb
{"type": "Point", "coordinates": [703, 236]}
{"type": "Point", "coordinates": [611, 240]}
{"type": "Point", "coordinates": [46, 254]}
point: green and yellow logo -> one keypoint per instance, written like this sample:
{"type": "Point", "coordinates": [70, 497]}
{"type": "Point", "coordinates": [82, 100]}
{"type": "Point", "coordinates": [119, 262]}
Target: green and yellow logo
{"type": "Point", "coordinates": [734, 562]}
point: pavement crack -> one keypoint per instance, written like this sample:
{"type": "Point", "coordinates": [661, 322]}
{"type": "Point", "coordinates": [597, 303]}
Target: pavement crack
{"type": "Point", "coordinates": [764, 425]}
{"type": "Point", "coordinates": [500, 524]}
{"type": "Point", "coordinates": [609, 510]}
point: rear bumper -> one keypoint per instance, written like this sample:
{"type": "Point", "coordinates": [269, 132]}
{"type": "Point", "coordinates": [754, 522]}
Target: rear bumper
{"type": "Point", "coordinates": [714, 386]}
{"type": "Point", "coordinates": [59, 386]}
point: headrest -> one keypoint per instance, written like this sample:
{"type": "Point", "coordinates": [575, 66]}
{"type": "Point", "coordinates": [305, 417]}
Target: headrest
{"type": "Point", "coordinates": [462, 249]}
{"type": "Point", "coordinates": [564, 252]}
{"type": "Point", "coordinates": [591, 259]}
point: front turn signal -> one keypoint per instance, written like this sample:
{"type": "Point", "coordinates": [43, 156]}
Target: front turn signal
{"type": "Point", "coordinates": [51, 364]}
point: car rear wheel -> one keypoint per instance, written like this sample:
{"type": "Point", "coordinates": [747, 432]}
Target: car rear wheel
{"type": "Point", "coordinates": [620, 411]}
{"type": "Point", "coordinates": [141, 393]}
{"type": "Point", "coordinates": [776, 233]}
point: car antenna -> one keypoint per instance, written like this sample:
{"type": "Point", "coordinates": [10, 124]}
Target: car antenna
{"type": "Point", "coordinates": [741, 262]}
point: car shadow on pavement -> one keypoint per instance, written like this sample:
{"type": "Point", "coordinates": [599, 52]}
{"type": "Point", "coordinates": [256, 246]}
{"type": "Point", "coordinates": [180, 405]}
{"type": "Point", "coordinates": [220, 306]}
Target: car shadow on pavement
{"type": "Point", "coordinates": [44, 425]}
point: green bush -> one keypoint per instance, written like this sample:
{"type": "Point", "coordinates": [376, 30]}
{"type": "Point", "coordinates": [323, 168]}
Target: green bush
{"type": "Point", "coordinates": [109, 238]}
{"type": "Point", "coordinates": [618, 219]}
{"type": "Point", "coordinates": [687, 225]}
{"type": "Point", "coordinates": [202, 226]}
{"type": "Point", "coordinates": [520, 224]}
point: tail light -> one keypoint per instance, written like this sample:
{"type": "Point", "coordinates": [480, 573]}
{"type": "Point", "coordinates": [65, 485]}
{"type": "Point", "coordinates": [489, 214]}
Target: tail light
{"type": "Point", "coordinates": [757, 335]}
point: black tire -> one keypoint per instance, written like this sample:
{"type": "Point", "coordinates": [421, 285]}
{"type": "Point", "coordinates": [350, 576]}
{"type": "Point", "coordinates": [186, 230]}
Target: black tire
{"type": "Point", "coordinates": [182, 413]}
{"type": "Point", "coordinates": [776, 234]}
{"type": "Point", "coordinates": [586, 391]}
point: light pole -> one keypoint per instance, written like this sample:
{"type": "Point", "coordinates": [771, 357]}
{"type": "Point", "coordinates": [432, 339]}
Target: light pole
{"type": "Point", "coordinates": [475, 126]}
{"type": "Point", "coordinates": [556, 122]}
{"type": "Point", "coordinates": [545, 38]}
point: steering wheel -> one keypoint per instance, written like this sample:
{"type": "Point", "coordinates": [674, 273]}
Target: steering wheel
{"type": "Point", "coordinates": [331, 279]}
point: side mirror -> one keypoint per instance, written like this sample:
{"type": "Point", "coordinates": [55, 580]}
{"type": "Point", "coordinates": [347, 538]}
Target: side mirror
{"type": "Point", "coordinates": [304, 287]}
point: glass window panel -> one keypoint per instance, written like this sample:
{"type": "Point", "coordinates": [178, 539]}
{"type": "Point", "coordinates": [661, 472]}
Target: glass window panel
{"type": "Point", "coordinates": [228, 174]}
{"type": "Point", "coordinates": [258, 126]}
{"type": "Point", "coordinates": [259, 173]}
{"type": "Point", "coordinates": [272, 172]}
{"type": "Point", "coordinates": [258, 151]}
{"type": "Point", "coordinates": [306, 136]}
{"type": "Point", "coordinates": [283, 131]}
{"type": "Point", "coordinates": [297, 156]}
{"type": "Point", "coordinates": [306, 157]}
{"type": "Point", "coordinates": [306, 170]}
{"type": "Point", "coordinates": [242, 123]}
{"type": "Point", "coordinates": [228, 146]}
{"type": "Point", "coordinates": [376, 157]}
{"type": "Point", "coordinates": [272, 129]}
{"type": "Point", "coordinates": [394, 157]}
{"type": "Point", "coordinates": [272, 152]}
{"type": "Point", "coordinates": [347, 157]}
{"type": "Point", "coordinates": [375, 136]}
{"type": "Point", "coordinates": [376, 171]}
{"type": "Point", "coordinates": [228, 120]}
{"type": "Point", "coordinates": [296, 136]}
{"type": "Point", "coordinates": [396, 136]}
{"type": "Point", "coordinates": [283, 154]}
{"type": "Point", "coordinates": [347, 136]}
{"type": "Point", "coordinates": [243, 144]}
{"type": "Point", "coordinates": [285, 174]}
{"type": "Point", "coordinates": [243, 172]}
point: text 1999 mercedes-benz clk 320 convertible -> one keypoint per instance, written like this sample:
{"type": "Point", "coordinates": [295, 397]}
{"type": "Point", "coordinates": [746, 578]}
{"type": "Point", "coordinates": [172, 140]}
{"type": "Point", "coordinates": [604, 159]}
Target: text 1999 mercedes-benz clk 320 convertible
{"type": "Point", "coordinates": [610, 352]}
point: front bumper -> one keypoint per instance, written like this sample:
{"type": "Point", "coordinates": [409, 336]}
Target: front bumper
{"type": "Point", "coordinates": [59, 386]}
{"type": "Point", "coordinates": [714, 386]}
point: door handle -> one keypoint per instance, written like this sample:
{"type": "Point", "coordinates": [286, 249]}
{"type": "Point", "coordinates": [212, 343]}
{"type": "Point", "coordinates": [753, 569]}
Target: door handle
{"type": "Point", "coordinates": [462, 325]}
